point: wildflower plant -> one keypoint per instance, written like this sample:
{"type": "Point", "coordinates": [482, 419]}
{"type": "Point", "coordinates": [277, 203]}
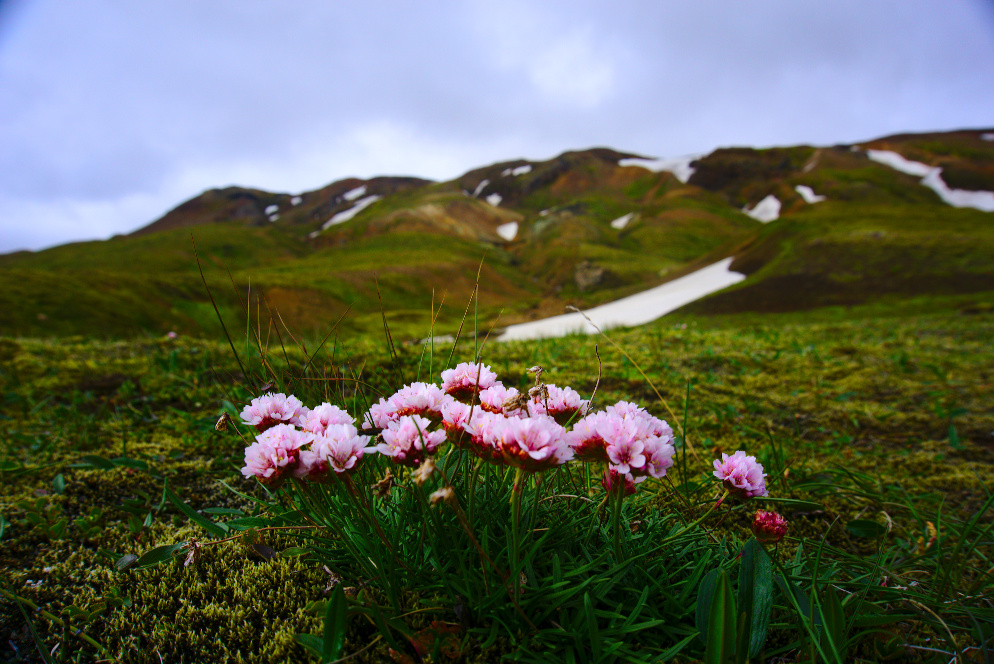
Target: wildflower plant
{"type": "Point", "coordinates": [507, 505]}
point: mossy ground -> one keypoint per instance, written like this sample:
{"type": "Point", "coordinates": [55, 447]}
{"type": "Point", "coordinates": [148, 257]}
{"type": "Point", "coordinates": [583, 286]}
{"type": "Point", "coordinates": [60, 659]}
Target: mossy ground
{"type": "Point", "coordinates": [898, 398]}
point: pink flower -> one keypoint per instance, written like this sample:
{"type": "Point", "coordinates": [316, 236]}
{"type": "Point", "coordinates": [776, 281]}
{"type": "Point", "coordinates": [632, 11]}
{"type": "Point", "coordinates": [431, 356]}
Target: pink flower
{"type": "Point", "coordinates": [741, 475]}
{"type": "Point", "coordinates": [590, 435]}
{"type": "Point", "coordinates": [533, 443]}
{"type": "Point", "coordinates": [562, 403]}
{"type": "Point", "coordinates": [338, 448]}
{"type": "Point", "coordinates": [415, 399]}
{"type": "Point", "coordinates": [380, 414]}
{"type": "Point", "coordinates": [172, 335]}
{"type": "Point", "coordinates": [494, 397]}
{"type": "Point", "coordinates": [627, 436]}
{"type": "Point", "coordinates": [462, 381]}
{"type": "Point", "coordinates": [769, 527]}
{"type": "Point", "coordinates": [611, 478]}
{"type": "Point", "coordinates": [274, 453]}
{"type": "Point", "coordinates": [658, 456]}
{"type": "Point", "coordinates": [626, 455]}
{"type": "Point", "coordinates": [407, 440]}
{"type": "Point", "coordinates": [318, 419]}
{"type": "Point", "coordinates": [272, 409]}
{"type": "Point", "coordinates": [484, 429]}
{"type": "Point", "coordinates": [455, 414]}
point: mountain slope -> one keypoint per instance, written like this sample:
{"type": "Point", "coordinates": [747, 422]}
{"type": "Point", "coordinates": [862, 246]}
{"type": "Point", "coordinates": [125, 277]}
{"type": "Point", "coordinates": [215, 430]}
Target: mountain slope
{"type": "Point", "coordinates": [577, 229]}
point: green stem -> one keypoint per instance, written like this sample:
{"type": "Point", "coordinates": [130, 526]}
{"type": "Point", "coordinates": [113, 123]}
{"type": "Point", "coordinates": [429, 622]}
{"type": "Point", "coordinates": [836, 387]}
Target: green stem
{"type": "Point", "coordinates": [700, 520]}
{"type": "Point", "coordinates": [519, 477]}
{"type": "Point", "coordinates": [619, 501]}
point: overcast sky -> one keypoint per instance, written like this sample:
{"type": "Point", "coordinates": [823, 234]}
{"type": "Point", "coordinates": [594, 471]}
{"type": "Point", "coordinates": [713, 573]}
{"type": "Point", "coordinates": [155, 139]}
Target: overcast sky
{"type": "Point", "coordinates": [112, 112]}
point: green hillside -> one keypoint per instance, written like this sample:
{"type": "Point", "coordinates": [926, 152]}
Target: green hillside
{"type": "Point", "coordinates": [878, 235]}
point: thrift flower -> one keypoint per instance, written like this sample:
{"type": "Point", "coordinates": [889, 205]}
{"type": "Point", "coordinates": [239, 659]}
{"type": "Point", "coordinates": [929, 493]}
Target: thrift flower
{"type": "Point", "coordinates": [742, 475]}
{"type": "Point", "coordinates": [338, 448]}
{"type": "Point", "coordinates": [465, 379]}
{"type": "Point", "coordinates": [415, 399]}
{"type": "Point", "coordinates": [318, 419]}
{"type": "Point", "coordinates": [455, 414]}
{"type": "Point", "coordinates": [562, 403]}
{"type": "Point", "coordinates": [533, 443]}
{"type": "Point", "coordinates": [494, 397]}
{"type": "Point", "coordinates": [611, 478]}
{"type": "Point", "coordinates": [484, 431]}
{"type": "Point", "coordinates": [272, 409]}
{"type": "Point", "coordinates": [274, 453]}
{"type": "Point", "coordinates": [407, 440]}
{"type": "Point", "coordinates": [769, 527]}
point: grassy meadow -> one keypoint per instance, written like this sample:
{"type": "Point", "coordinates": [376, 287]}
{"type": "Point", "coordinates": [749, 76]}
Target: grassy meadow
{"type": "Point", "coordinates": [874, 423]}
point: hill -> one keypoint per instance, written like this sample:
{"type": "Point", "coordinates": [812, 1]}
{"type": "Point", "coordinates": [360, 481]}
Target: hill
{"type": "Point", "coordinates": [810, 226]}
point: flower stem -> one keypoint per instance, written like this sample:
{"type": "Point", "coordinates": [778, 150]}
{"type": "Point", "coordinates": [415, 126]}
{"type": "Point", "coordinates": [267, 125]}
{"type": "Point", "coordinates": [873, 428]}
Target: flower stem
{"type": "Point", "coordinates": [519, 477]}
{"type": "Point", "coordinates": [619, 501]}
{"type": "Point", "coordinates": [700, 520]}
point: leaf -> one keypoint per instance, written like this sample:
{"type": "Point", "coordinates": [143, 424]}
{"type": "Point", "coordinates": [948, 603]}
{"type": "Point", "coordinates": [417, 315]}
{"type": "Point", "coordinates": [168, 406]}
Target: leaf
{"type": "Point", "coordinates": [59, 484]}
{"type": "Point", "coordinates": [247, 522]}
{"type": "Point", "coordinates": [794, 502]}
{"type": "Point", "coordinates": [137, 464]}
{"type": "Point", "coordinates": [223, 511]}
{"type": "Point", "coordinates": [592, 631]}
{"type": "Point", "coordinates": [310, 642]}
{"type": "Point", "coordinates": [954, 440]}
{"type": "Point", "coordinates": [159, 554]}
{"type": "Point", "coordinates": [835, 622]}
{"type": "Point", "coordinates": [756, 594]}
{"type": "Point", "coordinates": [97, 462]}
{"type": "Point", "coordinates": [218, 530]}
{"type": "Point", "coordinates": [264, 551]}
{"type": "Point", "coordinates": [720, 642]}
{"type": "Point", "coordinates": [704, 597]}
{"type": "Point", "coordinates": [865, 528]}
{"type": "Point", "coordinates": [336, 622]}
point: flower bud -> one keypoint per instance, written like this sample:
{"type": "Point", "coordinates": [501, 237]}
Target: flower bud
{"type": "Point", "coordinates": [769, 527]}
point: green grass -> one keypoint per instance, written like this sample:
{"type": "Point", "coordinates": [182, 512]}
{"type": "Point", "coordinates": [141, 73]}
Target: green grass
{"type": "Point", "coordinates": [881, 413]}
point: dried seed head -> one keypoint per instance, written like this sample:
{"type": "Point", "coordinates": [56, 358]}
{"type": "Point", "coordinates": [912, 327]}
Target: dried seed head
{"type": "Point", "coordinates": [195, 550]}
{"type": "Point", "coordinates": [222, 422]}
{"type": "Point", "coordinates": [446, 493]}
{"type": "Point", "coordinates": [424, 471]}
{"type": "Point", "coordinates": [537, 370]}
{"type": "Point", "coordinates": [382, 488]}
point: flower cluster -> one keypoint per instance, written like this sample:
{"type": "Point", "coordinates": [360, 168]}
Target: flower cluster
{"type": "Point", "coordinates": [541, 428]}
{"type": "Point", "coordinates": [326, 440]}
{"type": "Point", "coordinates": [741, 475]}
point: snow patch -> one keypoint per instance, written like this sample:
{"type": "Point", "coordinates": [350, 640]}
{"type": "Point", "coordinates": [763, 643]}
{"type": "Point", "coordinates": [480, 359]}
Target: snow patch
{"type": "Point", "coordinates": [621, 222]}
{"type": "Point", "coordinates": [987, 137]}
{"type": "Point", "coordinates": [270, 209]}
{"type": "Point", "coordinates": [353, 194]}
{"type": "Point", "coordinates": [766, 210]}
{"type": "Point", "coordinates": [520, 170]}
{"type": "Point", "coordinates": [636, 309]}
{"type": "Point", "coordinates": [274, 217]}
{"type": "Point", "coordinates": [808, 194]}
{"type": "Point", "coordinates": [495, 199]}
{"type": "Point", "coordinates": [678, 166]}
{"type": "Point", "coordinates": [296, 200]}
{"type": "Point", "coordinates": [480, 187]}
{"type": "Point", "coordinates": [508, 231]}
{"type": "Point", "coordinates": [931, 177]}
{"type": "Point", "coordinates": [899, 163]}
{"type": "Point", "coordinates": [345, 215]}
